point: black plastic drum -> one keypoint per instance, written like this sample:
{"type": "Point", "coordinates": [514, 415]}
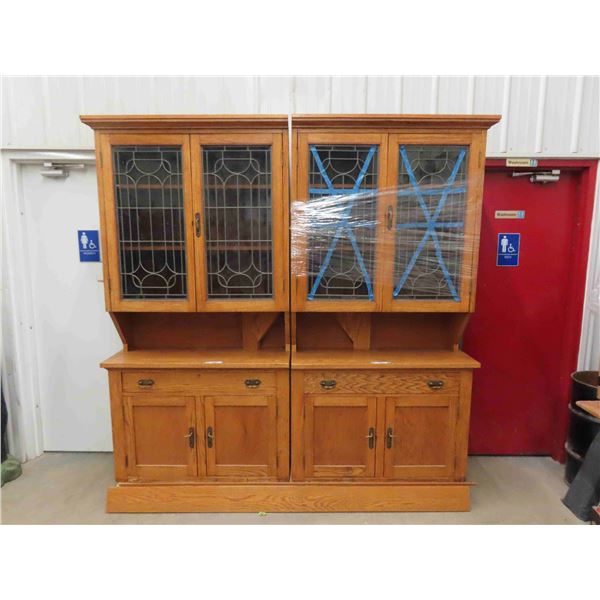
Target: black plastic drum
{"type": "Point", "coordinates": [584, 385]}
{"type": "Point", "coordinates": [583, 428]}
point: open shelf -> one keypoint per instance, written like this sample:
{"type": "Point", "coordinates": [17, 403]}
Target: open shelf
{"type": "Point", "coordinates": [383, 359]}
{"type": "Point", "coordinates": [198, 359]}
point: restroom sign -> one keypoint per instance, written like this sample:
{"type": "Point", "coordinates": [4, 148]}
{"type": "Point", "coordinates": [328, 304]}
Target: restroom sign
{"type": "Point", "coordinates": [507, 254]}
{"type": "Point", "coordinates": [89, 246]}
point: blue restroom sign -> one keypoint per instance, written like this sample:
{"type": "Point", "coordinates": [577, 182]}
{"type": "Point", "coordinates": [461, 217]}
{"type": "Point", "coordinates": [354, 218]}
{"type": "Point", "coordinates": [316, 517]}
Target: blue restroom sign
{"type": "Point", "coordinates": [508, 250]}
{"type": "Point", "coordinates": [89, 246]}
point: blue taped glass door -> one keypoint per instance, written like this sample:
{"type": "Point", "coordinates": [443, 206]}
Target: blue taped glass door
{"type": "Point", "coordinates": [336, 222]}
{"type": "Point", "coordinates": [434, 212]}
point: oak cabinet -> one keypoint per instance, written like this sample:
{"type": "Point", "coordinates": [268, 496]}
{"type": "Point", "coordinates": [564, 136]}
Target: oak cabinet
{"type": "Point", "coordinates": [290, 292]}
{"type": "Point", "coordinates": [419, 437]}
{"type": "Point", "coordinates": [241, 436]}
{"type": "Point", "coordinates": [195, 222]}
{"type": "Point", "coordinates": [339, 436]}
{"type": "Point", "coordinates": [347, 434]}
{"type": "Point", "coordinates": [161, 436]}
{"type": "Point", "coordinates": [204, 427]}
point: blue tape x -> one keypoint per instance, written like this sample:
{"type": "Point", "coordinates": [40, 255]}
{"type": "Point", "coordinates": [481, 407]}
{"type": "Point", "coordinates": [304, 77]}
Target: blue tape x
{"type": "Point", "coordinates": [431, 221]}
{"type": "Point", "coordinates": [344, 227]}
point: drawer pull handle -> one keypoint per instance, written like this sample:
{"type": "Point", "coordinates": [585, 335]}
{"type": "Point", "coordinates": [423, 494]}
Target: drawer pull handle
{"type": "Point", "coordinates": [145, 382]}
{"type": "Point", "coordinates": [252, 383]}
{"type": "Point", "coordinates": [371, 437]}
{"type": "Point", "coordinates": [210, 437]}
{"type": "Point", "coordinates": [328, 384]}
{"type": "Point", "coordinates": [389, 437]}
{"type": "Point", "coordinates": [435, 384]}
{"type": "Point", "coordinates": [191, 437]}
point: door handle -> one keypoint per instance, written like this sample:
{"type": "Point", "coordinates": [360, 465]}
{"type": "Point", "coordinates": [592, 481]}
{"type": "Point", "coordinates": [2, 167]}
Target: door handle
{"type": "Point", "coordinates": [389, 437]}
{"type": "Point", "coordinates": [390, 217]}
{"type": "Point", "coordinates": [210, 437]}
{"type": "Point", "coordinates": [197, 224]}
{"type": "Point", "coordinates": [371, 437]}
{"type": "Point", "coordinates": [145, 382]}
{"type": "Point", "coordinates": [435, 384]}
{"type": "Point", "coordinates": [191, 437]}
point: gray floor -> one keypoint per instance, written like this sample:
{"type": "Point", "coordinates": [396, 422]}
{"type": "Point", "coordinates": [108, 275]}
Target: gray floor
{"type": "Point", "coordinates": [70, 488]}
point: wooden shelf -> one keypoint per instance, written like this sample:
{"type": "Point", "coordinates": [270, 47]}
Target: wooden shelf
{"type": "Point", "coordinates": [383, 359]}
{"type": "Point", "coordinates": [590, 406]}
{"type": "Point", "coordinates": [198, 359]}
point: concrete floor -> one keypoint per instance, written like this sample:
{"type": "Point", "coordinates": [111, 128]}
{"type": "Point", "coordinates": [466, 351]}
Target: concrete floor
{"type": "Point", "coordinates": [70, 488]}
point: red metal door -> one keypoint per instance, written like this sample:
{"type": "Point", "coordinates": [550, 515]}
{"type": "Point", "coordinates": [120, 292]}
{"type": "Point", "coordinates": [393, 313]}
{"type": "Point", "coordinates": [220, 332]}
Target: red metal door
{"type": "Point", "coordinates": [526, 326]}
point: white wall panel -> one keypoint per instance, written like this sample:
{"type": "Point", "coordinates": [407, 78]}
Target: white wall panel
{"type": "Point", "coordinates": [384, 94]}
{"type": "Point", "coordinates": [348, 94]}
{"type": "Point", "coordinates": [560, 111]}
{"type": "Point", "coordinates": [589, 124]}
{"type": "Point", "coordinates": [526, 100]}
{"type": "Point", "coordinates": [419, 95]}
{"type": "Point", "coordinates": [553, 116]}
{"type": "Point", "coordinates": [491, 97]}
{"type": "Point", "coordinates": [311, 95]}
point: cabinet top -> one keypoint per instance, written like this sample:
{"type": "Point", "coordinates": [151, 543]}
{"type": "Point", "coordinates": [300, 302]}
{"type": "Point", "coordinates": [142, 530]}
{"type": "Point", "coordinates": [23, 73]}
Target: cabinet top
{"type": "Point", "coordinates": [346, 121]}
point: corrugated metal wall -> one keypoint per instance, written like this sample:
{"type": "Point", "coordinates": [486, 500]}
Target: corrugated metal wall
{"type": "Point", "coordinates": [542, 116]}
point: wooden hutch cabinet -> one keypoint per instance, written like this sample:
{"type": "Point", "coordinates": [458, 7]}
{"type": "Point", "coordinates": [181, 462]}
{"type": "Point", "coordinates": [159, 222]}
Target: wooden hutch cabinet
{"type": "Point", "coordinates": [290, 295]}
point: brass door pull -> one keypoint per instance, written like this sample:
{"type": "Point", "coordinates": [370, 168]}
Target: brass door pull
{"type": "Point", "coordinates": [191, 437]}
{"type": "Point", "coordinates": [145, 382]}
{"type": "Point", "coordinates": [210, 437]}
{"type": "Point", "coordinates": [371, 437]}
{"type": "Point", "coordinates": [328, 384]}
{"type": "Point", "coordinates": [435, 384]}
{"type": "Point", "coordinates": [390, 217]}
{"type": "Point", "coordinates": [252, 383]}
{"type": "Point", "coordinates": [389, 437]}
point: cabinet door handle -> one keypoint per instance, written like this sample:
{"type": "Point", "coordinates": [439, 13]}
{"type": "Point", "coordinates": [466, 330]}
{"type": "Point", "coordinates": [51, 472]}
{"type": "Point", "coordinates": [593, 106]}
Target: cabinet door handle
{"type": "Point", "coordinates": [389, 437]}
{"type": "Point", "coordinates": [435, 384]}
{"type": "Point", "coordinates": [371, 437]}
{"type": "Point", "coordinates": [145, 382]}
{"type": "Point", "coordinates": [197, 224]}
{"type": "Point", "coordinates": [252, 383]}
{"type": "Point", "coordinates": [390, 217]}
{"type": "Point", "coordinates": [210, 437]}
{"type": "Point", "coordinates": [191, 437]}
{"type": "Point", "coordinates": [328, 384]}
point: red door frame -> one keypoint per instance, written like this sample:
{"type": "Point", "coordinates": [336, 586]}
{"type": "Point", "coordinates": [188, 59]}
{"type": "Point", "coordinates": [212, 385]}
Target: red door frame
{"type": "Point", "coordinates": [574, 303]}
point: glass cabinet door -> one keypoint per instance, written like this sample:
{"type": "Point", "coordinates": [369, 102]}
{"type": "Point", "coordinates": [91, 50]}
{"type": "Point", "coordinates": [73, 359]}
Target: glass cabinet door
{"type": "Point", "coordinates": [151, 261]}
{"type": "Point", "coordinates": [430, 257]}
{"type": "Point", "coordinates": [241, 209]}
{"type": "Point", "coordinates": [334, 223]}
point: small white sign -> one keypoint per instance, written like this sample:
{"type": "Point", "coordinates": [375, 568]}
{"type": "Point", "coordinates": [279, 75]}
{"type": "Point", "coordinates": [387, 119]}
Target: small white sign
{"type": "Point", "coordinates": [521, 162]}
{"type": "Point", "coordinates": [509, 214]}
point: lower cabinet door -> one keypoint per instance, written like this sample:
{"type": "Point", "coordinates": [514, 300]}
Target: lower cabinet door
{"type": "Point", "coordinates": [340, 436]}
{"type": "Point", "coordinates": [161, 436]}
{"type": "Point", "coordinates": [241, 436]}
{"type": "Point", "coordinates": [419, 436]}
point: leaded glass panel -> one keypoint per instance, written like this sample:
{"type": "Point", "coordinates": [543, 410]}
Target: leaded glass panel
{"type": "Point", "coordinates": [341, 222]}
{"type": "Point", "coordinates": [238, 221]}
{"type": "Point", "coordinates": [151, 221]}
{"type": "Point", "coordinates": [430, 222]}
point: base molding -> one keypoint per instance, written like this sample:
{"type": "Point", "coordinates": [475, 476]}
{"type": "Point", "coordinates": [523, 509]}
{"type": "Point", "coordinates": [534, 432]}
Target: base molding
{"type": "Point", "coordinates": [288, 497]}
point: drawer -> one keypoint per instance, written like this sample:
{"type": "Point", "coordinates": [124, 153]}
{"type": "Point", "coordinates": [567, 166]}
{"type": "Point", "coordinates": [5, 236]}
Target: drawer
{"type": "Point", "coordinates": [198, 381]}
{"type": "Point", "coordinates": [388, 382]}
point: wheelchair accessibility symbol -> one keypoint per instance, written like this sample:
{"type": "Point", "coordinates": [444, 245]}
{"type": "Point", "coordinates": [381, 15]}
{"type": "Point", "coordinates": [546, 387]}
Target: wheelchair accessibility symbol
{"type": "Point", "coordinates": [89, 250]}
{"type": "Point", "coordinates": [508, 250]}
